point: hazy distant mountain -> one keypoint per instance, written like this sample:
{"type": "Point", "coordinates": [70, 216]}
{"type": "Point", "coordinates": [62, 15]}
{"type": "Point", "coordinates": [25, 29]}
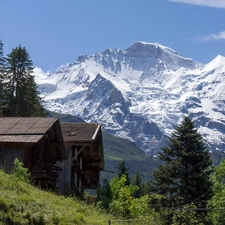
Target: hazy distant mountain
{"type": "Point", "coordinates": [141, 93]}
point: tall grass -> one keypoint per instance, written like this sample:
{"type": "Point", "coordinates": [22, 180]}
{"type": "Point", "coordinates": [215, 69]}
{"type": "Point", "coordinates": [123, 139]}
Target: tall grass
{"type": "Point", "coordinates": [23, 204]}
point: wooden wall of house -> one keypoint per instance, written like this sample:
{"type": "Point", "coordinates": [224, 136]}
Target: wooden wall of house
{"type": "Point", "coordinates": [64, 176]}
{"type": "Point", "coordinates": [91, 179]}
{"type": "Point", "coordinates": [8, 153]}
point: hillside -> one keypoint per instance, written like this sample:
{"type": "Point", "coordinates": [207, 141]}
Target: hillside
{"type": "Point", "coordinates": [21, 204]}
{"type": "Point", "coordinates": [118, 149]}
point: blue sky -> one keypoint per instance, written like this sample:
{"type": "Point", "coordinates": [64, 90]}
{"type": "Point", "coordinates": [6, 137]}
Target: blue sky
{"type": "Point", "coordinates": [56, 32]}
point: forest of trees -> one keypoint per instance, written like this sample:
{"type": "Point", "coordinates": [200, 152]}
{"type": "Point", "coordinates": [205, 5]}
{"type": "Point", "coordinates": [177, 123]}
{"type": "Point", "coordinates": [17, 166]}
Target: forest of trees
{"type": "Point", "coordinates": [18, 91]}
{"type": "Point", "coordinates": [186, 189]}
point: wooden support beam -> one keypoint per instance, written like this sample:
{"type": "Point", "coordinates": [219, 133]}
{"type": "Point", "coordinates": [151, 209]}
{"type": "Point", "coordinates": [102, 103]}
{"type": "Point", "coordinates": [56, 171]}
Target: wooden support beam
{"type": "Point", "coordinates": [77, 153]}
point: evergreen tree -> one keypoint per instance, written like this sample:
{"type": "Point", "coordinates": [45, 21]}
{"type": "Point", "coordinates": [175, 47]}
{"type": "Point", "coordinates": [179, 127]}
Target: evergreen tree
{"type": "Point", "coordinates": [105, 194]}
{"type": "Point", "coordinates": [1, 58]}
{"type": "Point", "coordinates": [185, 176]}
{"type": "Point", "coordinates": [2, 67]}
{"type": "Point", "coordinates": [21, 90]}
{"type": "Point", "coordinates": [138, 182]}
{"type": "Point", "coordinates": [123, 170]}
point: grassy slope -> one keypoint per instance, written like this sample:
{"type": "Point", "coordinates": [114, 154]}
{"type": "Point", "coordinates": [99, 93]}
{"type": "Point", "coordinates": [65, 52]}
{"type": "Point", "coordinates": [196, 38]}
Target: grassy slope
{"type": "Point", "coordinates": [21, 203]}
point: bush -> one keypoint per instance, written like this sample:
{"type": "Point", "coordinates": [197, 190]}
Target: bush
{"type": "Point", "coordinates": [187, 216]}
{"type": "Point", "coordinates": [20, 172]}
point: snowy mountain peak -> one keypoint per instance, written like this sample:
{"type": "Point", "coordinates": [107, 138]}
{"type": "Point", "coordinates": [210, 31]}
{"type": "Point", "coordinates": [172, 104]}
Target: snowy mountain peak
{"type": "Point", "coordinates": [141, 93]}
{"type": "Point", "coordinates": [157, 55]}
{"type": "Point", "coordinates": [217, 62]}
{"type": "Point", "coordinates": [154, 45]}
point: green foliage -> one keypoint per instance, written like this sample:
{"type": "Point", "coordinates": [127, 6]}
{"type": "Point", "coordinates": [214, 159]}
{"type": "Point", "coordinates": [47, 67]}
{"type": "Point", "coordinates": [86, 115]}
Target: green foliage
{"type": "Point", "coordinates": [185, 176]}
{"type": "Point", "coordinates": [118, 197]}
{"type": "Point", "coordinates": [187, 215]}
{"type": "Point", "coordinates": [217, 203]}
{"type": "Point", "coordinates": [116, 184]}
{"type": "Point", "coordinates": [123, 170]}
{"type": "Point", "coordinates": [123, 204]}
{"type": "Point", "coordinates": [138, 182]}
{"type": "Point", "coordinates": [20, 172]}
{"type": "Point", "coordinates": [140, 206]}
{"type": "Point", "coordinates": [2, 68]}
{"type": "Point", "coordinates": [105, 194]}
{"type": "Point", "coordinates": [20, 90]}
{"type": "Point", "coordinates": [2, 60]}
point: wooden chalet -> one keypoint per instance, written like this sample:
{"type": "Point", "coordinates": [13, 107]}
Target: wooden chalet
{"type": "Point", "coordinates": [85, 158]}
{"type": "Point", "coordinates": [35, 141]}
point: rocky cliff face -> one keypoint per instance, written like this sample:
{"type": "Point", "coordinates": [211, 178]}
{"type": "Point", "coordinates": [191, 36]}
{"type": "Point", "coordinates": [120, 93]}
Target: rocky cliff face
{"type": "Point", "coordinates": [141, 93]}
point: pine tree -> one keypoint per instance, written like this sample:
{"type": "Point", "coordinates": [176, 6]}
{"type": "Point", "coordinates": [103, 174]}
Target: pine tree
{"type": "Point", "coordinates": [123, 170]}
{"type": "Point", "coordinates": [138, 182]}
{"type": "Point", "coordinates": [185, 176]}
{"type": "Point", "coordinates": [2, 71]}
{"type": "Point", "coordinates": [1, 58]}
{"type": "Point", "coordinates": [22, 95]}
{"type": "Point", "coordinates": [105, 194]}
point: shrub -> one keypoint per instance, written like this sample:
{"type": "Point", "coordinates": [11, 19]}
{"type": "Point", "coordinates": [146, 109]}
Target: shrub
{"type": "Point", "coordinates": [20, 172]}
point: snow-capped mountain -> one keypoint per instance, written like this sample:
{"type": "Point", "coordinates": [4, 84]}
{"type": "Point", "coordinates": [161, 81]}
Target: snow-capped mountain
{"type": "Point", "coordinates": [141, 93]}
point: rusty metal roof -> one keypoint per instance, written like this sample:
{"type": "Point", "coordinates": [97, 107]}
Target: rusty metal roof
{"type": "Point", "coordinates": [29, 130]}
{"type": "Point", "coordinates": [20, 138]}
{"type": "Point", "coordinates": [25, 125]}
{"type": "Point", "coordinates": [79, 132]}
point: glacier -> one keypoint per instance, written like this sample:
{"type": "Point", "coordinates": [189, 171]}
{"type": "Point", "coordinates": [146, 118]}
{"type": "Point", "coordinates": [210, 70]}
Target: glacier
{"type": "Point", "coordinates": [140, 93]}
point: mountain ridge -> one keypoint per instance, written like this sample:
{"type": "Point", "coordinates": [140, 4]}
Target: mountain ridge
{"type": "Point", "coordinates": [141, 93]}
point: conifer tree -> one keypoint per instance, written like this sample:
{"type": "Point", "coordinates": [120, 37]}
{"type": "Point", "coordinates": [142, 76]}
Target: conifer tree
{"type": "Point", "coordinates": [138, 182]}
{"type": "Point", "coordinates": [22, 95]}
{"type": "Point", "coordinates": [184, 178]}
{"type": "Point", "coordinates": [1, 58]}
{"type": "Point", "coordinates": [123, 170]}
{"type": "Point", "coordinates": [105, 194]}
{"type": "Point", "coordinates": [2, 71]}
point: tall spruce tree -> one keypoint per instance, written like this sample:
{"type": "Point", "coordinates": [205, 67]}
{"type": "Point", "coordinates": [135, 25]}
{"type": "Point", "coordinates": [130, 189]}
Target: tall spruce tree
{"type": "Point", "coordinates": [184, 178]}
{"type": "Point", "coordinates": [1, 58]}
{"type": "Point", "coordinates": [2, 71]}
{"type": "Point", "coordinates": [138, 182]}
{"type": "Point", "coordinates": [22, 95]}
{"type": "Point", "coordinates": [123, 170]}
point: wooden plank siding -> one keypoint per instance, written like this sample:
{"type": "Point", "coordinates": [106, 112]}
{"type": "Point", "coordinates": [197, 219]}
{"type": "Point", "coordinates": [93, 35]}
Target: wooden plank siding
{"type": "Point", "coordinates": [35, 141]}
{"type": "Point", "coordinates": [8, 154]}
{"type": "Point", "coordinates": [66, 156]}
{"type": "Point", "coordinates": [85, 158]}
{"type": "Point", "coordinates": [64, 176]}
